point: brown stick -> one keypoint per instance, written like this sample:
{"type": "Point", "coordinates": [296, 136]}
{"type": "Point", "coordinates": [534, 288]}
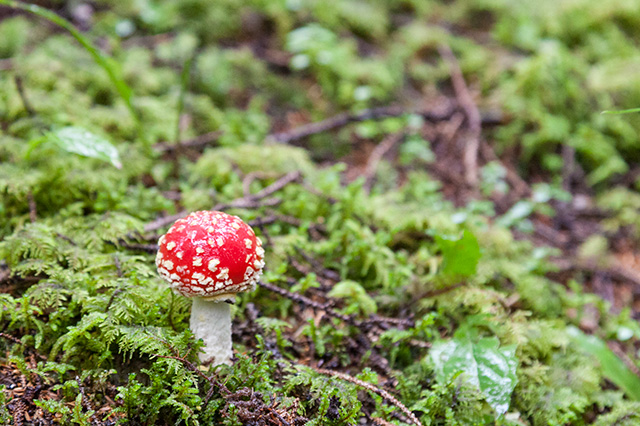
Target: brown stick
{"type": "Point", "coordinates": [23, 95]}
{"type": "Point", "coordinates": [376, 156]}
{"type": "Point", "coordinates": [33, 211]}
{"type": "Point", "coordinates": [368, 386]}
{"type": "Point", "coordinates": [198, 142]}
{"type": "Point", "coordinates": [305, 301]}
{"type": "Point", "coordinates": [616, 270]}
{"type": "Point", "coordinates": [243, 202]}
{"type": "Point", "coordinates": [471, 111]}
{"type": "Point", "coordinates": [343, 119]}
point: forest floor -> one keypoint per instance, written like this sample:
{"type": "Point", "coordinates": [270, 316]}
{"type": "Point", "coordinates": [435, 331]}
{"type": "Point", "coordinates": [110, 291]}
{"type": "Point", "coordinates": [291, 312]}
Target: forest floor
{"type": "Point", "coordinates": [451, 222]}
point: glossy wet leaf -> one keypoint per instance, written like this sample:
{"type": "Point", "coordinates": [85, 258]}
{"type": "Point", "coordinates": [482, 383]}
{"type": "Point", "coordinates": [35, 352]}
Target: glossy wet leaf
{"type": "Point", "coordinates": [82, 142]}
{"type": "Point", "coordinates": [484, 365]}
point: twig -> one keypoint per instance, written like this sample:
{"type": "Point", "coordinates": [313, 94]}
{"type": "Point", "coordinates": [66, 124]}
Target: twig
{"type": "Point", "coordinates": [23, 95]}
{"type": "Point", "coordinates": [306, 301]}
{"type": "Point", "coordinates": [116, 261]}
{"type": "Point", "coordinates": [6, 64]}
{"type": "Point", "coordinates": [243, 202]}
{"type": "Point", "coordinates": [569, 160]}
{"type": "Point", "coordinates": [521, 187]}
{"type": "Point", "coordinates": [381, 422]}
{"type": "Point", "coordinates": [343, 119]}
{"type": "Point", "coordinates": [615, 347]}
{"type": "Point", "coordinates": [398, 322]}
{"type": "Point", "coordinates": [198, 142]}
{"type": "Point", "coordinates": [376, 155]}
{"type": "Point", "coordinates": [10, 337]}
{"type": "Point", "coordinates": [149, 248]}
{"type": "Point", "coordinates": [33, 210]}
{"type": "Point", "coordinates": [617, 271]}
{"type": "Point", "coordinates": [112, 298]}
{"type": "Point", "coordinates": [383, 393]}
{"type": "Point", "coordinates": [471, 111]}
{"type": "Point", "coordinates": [440, 291]}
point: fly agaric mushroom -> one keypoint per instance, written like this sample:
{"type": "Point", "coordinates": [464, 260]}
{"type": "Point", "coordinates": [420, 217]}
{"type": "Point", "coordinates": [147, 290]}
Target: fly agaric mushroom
{"type": "Point", "coordinates": [210, 256]}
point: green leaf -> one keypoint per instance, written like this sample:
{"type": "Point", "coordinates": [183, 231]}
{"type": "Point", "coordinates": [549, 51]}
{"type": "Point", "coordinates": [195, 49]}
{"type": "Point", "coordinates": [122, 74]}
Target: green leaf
{"type": "Point", "coordinates": [82, 142]}
{"type": "Point", "coordinates": [460, 254]}
{"type": "Point", "coordinates": [612, 367]}
{"type": "Point", "coordinates": [484, 365]}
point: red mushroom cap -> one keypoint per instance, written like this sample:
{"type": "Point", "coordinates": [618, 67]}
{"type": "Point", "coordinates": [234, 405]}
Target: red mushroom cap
{"type": "Point", "coordinates": [210, 254]}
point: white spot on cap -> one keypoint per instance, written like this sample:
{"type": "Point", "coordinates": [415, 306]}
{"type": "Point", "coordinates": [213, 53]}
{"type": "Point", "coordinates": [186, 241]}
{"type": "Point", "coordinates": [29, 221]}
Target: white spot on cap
{"type": "Point", "coordinates": [213, 264]}
{"type": "Point", "coordinates": [199, 250]}
{"type": "Point", "coordinates": [220, 241]}
{"type": "Point", "coordinates": [259, 251]}
{"type": "Point", "coordinates": [168, 264]}
{"type": "Point", "coordinates": [198, 276]}
{"type": "Point", "coordinates": [210, 229]}
{"type": "Point", "coordinates": [247, 243]}
{"type": "Point", "coordinates": [197, 261]}
{"type": "Point", "coordinates": [171, 245]}
{"type": "Point", "coordinates": [259, 241]}
{"type": "Point", "coordinates": [179, 254]}
{"type": "Point", "coordinates": [224, 274]}
{"type": "Point", "coordinates": [235, 225]}
{"type": "Point", "coordinates": [211, 242]}
{"type": "Point", "coordinates": [248, 273]}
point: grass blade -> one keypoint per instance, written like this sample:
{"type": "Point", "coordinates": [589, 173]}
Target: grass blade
{"type": "Point", "coordinates": [107, 63]}
{"type": "Point", "coordinates": [612, 367]}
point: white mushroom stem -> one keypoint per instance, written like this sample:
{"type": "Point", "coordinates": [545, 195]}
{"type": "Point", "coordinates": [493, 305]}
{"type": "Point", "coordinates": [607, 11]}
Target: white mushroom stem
{"type": "Point", "coordinates": [211, 322]}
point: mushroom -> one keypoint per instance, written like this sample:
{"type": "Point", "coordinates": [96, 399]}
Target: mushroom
{"type": "Point", "coordinates": [210, 256]}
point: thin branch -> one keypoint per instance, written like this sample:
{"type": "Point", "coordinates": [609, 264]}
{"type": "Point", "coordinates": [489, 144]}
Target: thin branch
{"type": "Point", "coordinates": [440, 291]}
{"type": "Point", "coordinates": [343, 119]}
{"type": "Point", "coordinates": [324, 307]}
{"type": "Point", "coordinates": [6, 64]}
{"type": "Point", "coordinates": [199, 142]}
{"type": "Point", "coordinates": [617, 349]}
{"type": "Point", "coordinates": [368, 386]}
{"type": "Point", "coordinates": [250, 201]}
{"type": "Point", "coordinates": [616, 271]}
{"type": "Point", "coordinates": [376, 156]}
{"type": "Point", "coordinates": [471, 111]}
{"type": "Point", "coordinates": [11, 338]}
{"type": "Point", "coordinates": [33, 209]}
{"type": "Point", "coordinates": [23, 96]}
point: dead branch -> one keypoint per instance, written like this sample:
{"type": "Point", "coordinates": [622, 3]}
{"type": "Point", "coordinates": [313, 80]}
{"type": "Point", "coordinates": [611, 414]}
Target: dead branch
{"type": "Point", "coordinates": [376, 156]}
{"type": "Point", "coordinates": [324, 307]}
{"type": "Point", "coordinates": [33, 211]}
{"type": "Point", "coordinates": [368, 386]}
{"type": "Point", "coordinates": [199, 142]}
{"type": "Point", "coordinates": [249, 201]}
{"type": "Point", "coordinates": [11, 338]}
{"type": "Point", "coordinates": [23, 95]}
{"type": "Point", "coordinates": [616, 270]}
{"type": "Point", "coordinates": [6, 64]}
{"type": "Point", "coordinates": [343, 119]}
{"type": "Point", "coordinates": [471, 111]}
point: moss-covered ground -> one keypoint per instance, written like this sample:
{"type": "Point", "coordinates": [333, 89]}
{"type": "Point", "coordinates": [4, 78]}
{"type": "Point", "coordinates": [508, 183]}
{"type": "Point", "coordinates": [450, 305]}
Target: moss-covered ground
{"type": "Point", "coordinates": [451, 223]}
